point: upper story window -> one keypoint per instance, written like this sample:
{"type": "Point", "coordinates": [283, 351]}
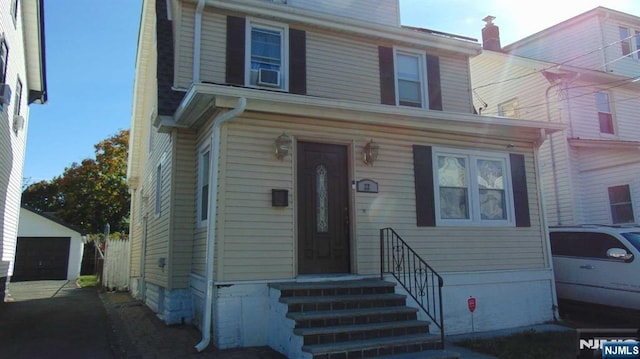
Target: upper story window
{"type": "Point", "coordinates": [605, 117]}
{"type": "Point", "coordinates": [630, 42]}
{"type": "Point", "coordinates": [267, 52]}
{"type": "Point", "coordinates": [410, 79]}
{"type": "Point", "coordinates": [14, 11]}
{"type": "Point", "coordinates": [472, 188]}
{"type": "Point", "coordinates": [621, 204]}
{"type": "Point", "coordinates": [508, 108]}
{"type": "Point", "coordinates": [18, 98]}
{"type": "Point", "coordinates": [4, 54]}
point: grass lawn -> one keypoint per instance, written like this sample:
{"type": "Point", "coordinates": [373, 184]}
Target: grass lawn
{"type": "Point", "coordinates": [527, 345]}
{"type": "Point", "coordinates": [87, 281]}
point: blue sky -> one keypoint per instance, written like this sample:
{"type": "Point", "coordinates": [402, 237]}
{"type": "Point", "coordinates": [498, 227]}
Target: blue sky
{"type": "Point", "coordinates": [91, 48]}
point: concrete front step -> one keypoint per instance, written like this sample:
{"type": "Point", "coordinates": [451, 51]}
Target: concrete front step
{"type": "Point", "coordinates": [375, 347]}
{"type": "Point", "coordinates": [330, 288]}
{"type": "Point", "coordinates": [339, 302]}
{"type": "Point", "coordinates": [352, 316]}
{"type": "Point", "coordinates": [342, 333]}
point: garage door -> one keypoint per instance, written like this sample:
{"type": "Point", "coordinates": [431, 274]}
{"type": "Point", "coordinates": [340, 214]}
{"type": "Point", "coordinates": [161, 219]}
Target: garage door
{"type": "Point", "coordinates": [41, 258]}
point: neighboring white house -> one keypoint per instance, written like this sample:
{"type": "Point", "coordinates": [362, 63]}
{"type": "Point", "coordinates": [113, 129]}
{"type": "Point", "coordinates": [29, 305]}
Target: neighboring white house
{"type": "Point", "coordinates": [274, 141]}
{"type": "Point", "coordinates": [22, 82]}
{"type": "Point", "coordinates": [47, 248]}
{"type": "Point", "coordinates": [582, 72]}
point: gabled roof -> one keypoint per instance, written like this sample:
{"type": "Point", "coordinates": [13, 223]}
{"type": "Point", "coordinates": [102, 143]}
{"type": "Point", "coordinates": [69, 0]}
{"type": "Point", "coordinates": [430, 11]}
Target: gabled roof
{"type": "Point", "coordinates": [598, 11]}
{"type": "Point", "coordinates": [54, 219]}
{"type": "Point", "coordinates": [34, 43]}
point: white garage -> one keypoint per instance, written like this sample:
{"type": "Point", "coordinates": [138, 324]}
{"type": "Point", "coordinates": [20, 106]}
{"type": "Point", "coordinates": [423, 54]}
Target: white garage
{"type": "Point", "coordinates": [47, 248]}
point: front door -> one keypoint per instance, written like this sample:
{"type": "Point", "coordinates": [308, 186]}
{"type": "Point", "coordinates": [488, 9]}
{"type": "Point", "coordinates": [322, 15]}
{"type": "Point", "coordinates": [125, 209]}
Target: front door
{"type": "Point", "coordinates": [323, 209]}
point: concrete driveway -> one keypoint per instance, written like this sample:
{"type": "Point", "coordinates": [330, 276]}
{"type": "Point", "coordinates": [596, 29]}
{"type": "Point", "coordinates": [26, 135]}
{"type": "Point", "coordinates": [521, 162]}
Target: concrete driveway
{"type": "Point", "coordinates": [53, 319]}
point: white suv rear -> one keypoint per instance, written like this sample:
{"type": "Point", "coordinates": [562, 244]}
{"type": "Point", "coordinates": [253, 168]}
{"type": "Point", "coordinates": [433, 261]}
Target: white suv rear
{"type": "Point", "coordinates": [597, 264]}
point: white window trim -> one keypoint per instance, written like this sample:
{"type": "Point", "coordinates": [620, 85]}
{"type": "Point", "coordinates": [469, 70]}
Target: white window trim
{"type": "Point", "coordinates": [422, 67]}
{"type": "Point", "coordinates": [472, 186]}
{"type": "Point", "coordinates": [201, 151]}
{"type": "Point", "coordinates": [284, 53]}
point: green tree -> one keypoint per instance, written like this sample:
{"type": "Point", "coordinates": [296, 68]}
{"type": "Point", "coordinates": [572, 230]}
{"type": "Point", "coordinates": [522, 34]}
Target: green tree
{"type": "Point", "coordinates": [91, 193]}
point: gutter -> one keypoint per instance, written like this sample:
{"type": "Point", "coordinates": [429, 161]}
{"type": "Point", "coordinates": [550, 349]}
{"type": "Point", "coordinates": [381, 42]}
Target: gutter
{"type": "Point", "coordinates": [211, 230]}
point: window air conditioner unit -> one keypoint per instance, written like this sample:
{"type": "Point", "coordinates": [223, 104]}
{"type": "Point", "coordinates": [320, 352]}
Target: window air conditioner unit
{"type": "Point", "coordinates": [5, 94]}
{"type": "Point", "coordinates": [269, 78]}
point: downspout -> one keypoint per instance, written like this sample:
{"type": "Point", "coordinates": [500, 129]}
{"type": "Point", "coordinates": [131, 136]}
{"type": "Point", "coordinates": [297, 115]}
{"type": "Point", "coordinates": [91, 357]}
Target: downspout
{"type": "Point", "coordinates": [211, 230]}
{"type": "Point", "coordinates": [197, 39]}
{"type": "Point", "coordinates": [556, 188]}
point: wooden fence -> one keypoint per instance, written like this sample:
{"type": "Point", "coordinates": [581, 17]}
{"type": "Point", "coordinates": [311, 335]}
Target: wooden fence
{"type": "Point", "coordinates": [115, 275]}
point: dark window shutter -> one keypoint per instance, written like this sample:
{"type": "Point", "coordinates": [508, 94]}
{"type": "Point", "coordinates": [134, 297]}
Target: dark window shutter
{"type": "Point", "coordinates": [423, 171]}
{"type": "Point", "coordinates": [433, 81]}
{"type": "Point", "coordinates": [520, 194]}
{"type": "Point", "coordinates": [235, 50]}
{"type": "Point", "coordinates": [297, 62]}
{"type": "Point", "coordinates": [387, 77]}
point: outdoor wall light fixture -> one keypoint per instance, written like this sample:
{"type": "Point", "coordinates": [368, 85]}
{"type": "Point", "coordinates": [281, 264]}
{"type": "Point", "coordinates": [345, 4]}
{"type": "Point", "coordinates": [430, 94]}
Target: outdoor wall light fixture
{"type": "Point", "coordinates": [282, 146]}
{"type": "Point", "coordinates": [370, 152]}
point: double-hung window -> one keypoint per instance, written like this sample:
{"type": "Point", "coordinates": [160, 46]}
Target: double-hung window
{"type": "Point", "coordinates": [508, 108]}
{"type": "Point", "coordinates": [621, 204]}
{"type": "Point", "coordinates": [605, 118]}
{"type": "Point", "coordinates": [472, 188]}
{"type": "Point", "coordinates": [630, 42]}
{"type": "Point", "coordinates": [410, 78]}
{"type": "Point", "coordinates": [203, 184]}
{"type": "Point", "coordinates": [4, 54]}
{"type": "Point", "coordinates": [267, 50]}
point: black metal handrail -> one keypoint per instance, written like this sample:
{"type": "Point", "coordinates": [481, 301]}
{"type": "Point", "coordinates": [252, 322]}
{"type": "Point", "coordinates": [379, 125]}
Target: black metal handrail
{"type": "Point", "coordinates": [414, 274]}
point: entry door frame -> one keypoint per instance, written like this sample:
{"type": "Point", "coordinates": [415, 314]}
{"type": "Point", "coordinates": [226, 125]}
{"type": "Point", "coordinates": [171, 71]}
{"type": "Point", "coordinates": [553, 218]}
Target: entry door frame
{"type": "Point", "coordinates": [349, 146]}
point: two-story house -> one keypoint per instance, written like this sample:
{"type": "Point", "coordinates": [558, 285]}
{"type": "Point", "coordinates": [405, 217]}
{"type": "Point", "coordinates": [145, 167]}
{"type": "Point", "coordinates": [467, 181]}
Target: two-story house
{"type": "Point", "coordinates": [22, 82]}
{"type": "Point", "coordinates": [274, 142]}
{"type": "Point", "coordinates": [583, 73]}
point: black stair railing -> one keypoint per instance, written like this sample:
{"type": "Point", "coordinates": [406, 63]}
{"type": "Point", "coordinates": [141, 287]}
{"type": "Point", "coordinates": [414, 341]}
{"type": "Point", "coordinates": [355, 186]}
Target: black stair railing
{"type": "Point", "coordinates": [414, 274]}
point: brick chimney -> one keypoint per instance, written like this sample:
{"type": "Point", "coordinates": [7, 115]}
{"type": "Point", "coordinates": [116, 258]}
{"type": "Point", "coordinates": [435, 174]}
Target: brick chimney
{"type": "Point", "coordinates": [491, 35]}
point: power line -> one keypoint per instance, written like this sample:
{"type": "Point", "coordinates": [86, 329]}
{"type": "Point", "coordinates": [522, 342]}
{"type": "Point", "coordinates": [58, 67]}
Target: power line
{"type": "Point", "coordinates": [563, 63]}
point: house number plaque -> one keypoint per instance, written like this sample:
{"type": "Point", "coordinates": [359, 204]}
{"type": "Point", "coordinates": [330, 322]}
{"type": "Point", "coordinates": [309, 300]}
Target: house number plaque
{"type": "Point", "coordinates": [367, 186]}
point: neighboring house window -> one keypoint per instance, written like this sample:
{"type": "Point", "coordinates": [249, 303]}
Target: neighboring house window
{"type": "Point", "coordinates": [472, 188]}
{"type": "Point", "coordinates": [621, 205]}
{"type": "Point", "coordinates": [509, 109]}
{"type": "Point", "coordinates": [18, 98]}
{"type": "Point", "coordinates": [605, 117]}
{"type": "Point", "coordinates": [203, 184]}
{"type": "Point", "coordinates": [410, 78]}
{"type": "Point", "coordinates": [267, 49]}
{"type": "Point", "coordinates": [630, 44]}
{"type": "Point", "coordinates": [158, 189]}
{"type": "Point", "coordinates": [14, 11]}
{"type": "Point", "coordinates": [4, 54]}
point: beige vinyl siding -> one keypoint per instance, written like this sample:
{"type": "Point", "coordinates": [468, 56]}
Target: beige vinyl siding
{"type": "Point", "coordinates": [199, 245]}
{"type": "Point", "coordinates": [626, 105]}
{"type": "Point", "coordinates": [342, 68]}
{"type": "Point", "coordinates": [576, 45]}
{"type": "Point", "coordinates": [258, 242]}
{"type": "Point", "coordinates": [184, 45]}
{"type": "Point", "coordinates": [158, 228]}
{"type": "Point", "coordinates": [455, 81]}
{"type": "Point", "coordinates": [385, 12]}
{"type": "Point", "coordinates": [135, 234]}
{"type": "Point", "coordinates": [558, 180]}
{"type": "Point", "coordinates": [214, 48]}
{"type": "Point", "coordinates": [183, 208]}
{"type": "Point", "coordinates": [525, 85]}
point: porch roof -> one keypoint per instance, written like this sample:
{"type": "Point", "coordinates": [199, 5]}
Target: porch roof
{"type": "Point", "coordinates": [202, 99]}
